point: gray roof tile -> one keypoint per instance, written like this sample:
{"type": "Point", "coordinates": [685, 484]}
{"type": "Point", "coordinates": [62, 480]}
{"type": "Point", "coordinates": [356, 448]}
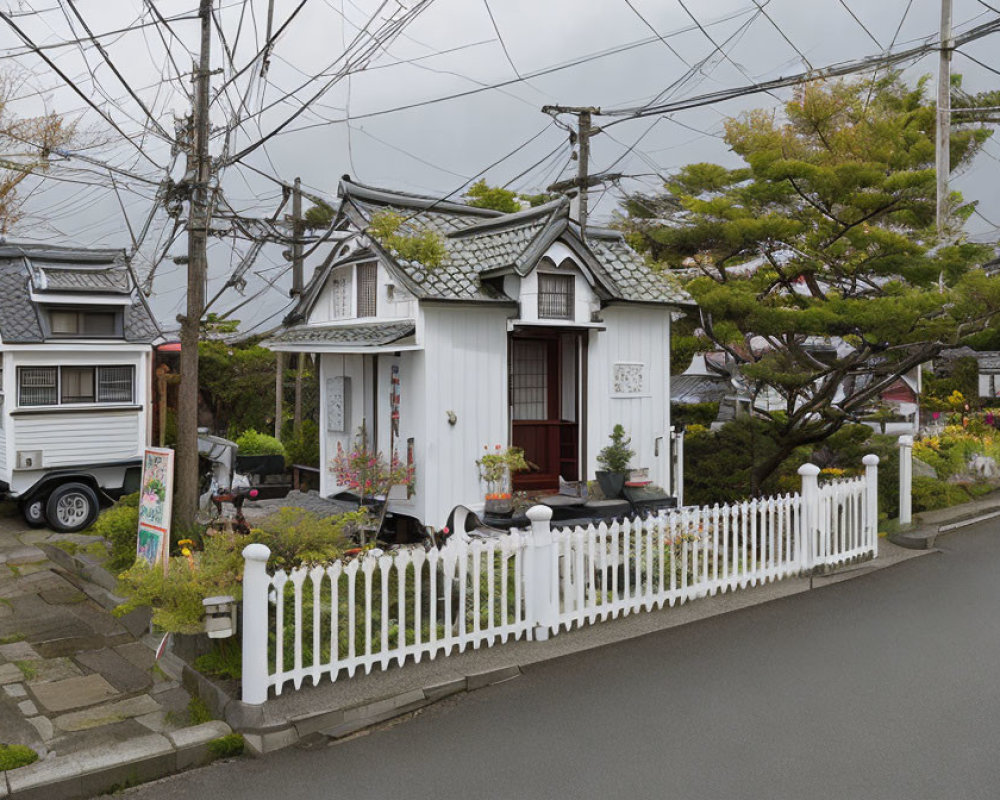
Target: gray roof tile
{"type": "Point", "coordinates": [61, 269]}
{"type": "Point", "coordinates": [367, 333]}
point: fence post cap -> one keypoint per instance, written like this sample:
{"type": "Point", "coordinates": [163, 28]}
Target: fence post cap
{"type": "Point", "coordinates": [808, 470]}
{"type": "Point", "coordinates": [539, 513]}
{"type": "Point", "coordinates": [257, 552]}
{"type": "Point", "coordinates": [870, 460]}
{"type": "Point", "coordinates": [905, 440]}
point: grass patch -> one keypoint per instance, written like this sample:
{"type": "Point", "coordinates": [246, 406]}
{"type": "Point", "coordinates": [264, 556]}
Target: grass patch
{"type": "Point", "coordinates": [14, 570]}
{"type": "Point", "coordinates": [68, 547]}
{"type": "Point", "coordinates": [11, 638]}
{"type": "Point", "coordinates": [198, 712]}
{"type": "Point", "coordinates": [27, 669]}
{"type": "Point", "coordinates": [226, 746]}
{"type": "Point", "coordinates": [13, 756]}
{"type": "Point", "coordinates": [224, 660]}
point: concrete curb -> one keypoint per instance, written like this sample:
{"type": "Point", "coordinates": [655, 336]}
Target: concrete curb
{"type": "Point", "coordinates": [88, 773]}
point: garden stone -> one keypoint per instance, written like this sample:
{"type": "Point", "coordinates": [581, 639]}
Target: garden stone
{"type": "Point", "coordinates": [54, 669]}
{"type": "Point", "coordinates": [107, 714]}
{"type": "Point", "coordinates": [27, 708]}
{"type": "Point", "coordinates": [9, 673]}
{"type": "Point", "coordinates": [73, 692]}
{"type": "Point", "coordinates": [15, 690]}
{"type": "Point", "coordinates": [984, 466]}
{"type": "Point", "coordinates": [921, 469]}
{"type": "Point", "coordinates": [18, 651]}
{"type": "Point", "coordinates": [43, 726]}
{"type": "Point", "coordinates": [120, 673]}
{"type": "Point", "coordinates": [138, 654]}
{"type": "Point", "coordinates": [25, 555]}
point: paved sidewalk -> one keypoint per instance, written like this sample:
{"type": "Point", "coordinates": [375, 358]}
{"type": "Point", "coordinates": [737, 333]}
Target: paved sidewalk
{"type": "Point", "coordinates": [72, 675]}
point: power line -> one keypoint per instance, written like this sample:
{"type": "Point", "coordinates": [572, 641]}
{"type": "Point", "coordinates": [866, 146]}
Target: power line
{"type": "Point", "coordinates": [864, 27]}
{"type": "Point", "coordinates": [835, 70]}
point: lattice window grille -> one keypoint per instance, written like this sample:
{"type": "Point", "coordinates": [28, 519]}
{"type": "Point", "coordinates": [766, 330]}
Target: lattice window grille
{"type": "Point", "coordinates": [39, 386]}
{"type": "Point", "coordinates": [115, 384]}
{"type": "Point", "coordinates": [555, 296]}
{"type": "Point", "coordinates": [367, 289]}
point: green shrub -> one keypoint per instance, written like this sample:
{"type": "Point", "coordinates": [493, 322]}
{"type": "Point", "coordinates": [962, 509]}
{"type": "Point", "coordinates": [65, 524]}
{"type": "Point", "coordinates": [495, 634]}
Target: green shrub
{"type": "Point", "coordinates": [252, 443]}
{"type": "Point", "coordinates": [13, 756]}
{"type": "Point", "coordinates": [119, 526]}
{"type": "Point", "coordinates": [303, 448]}
{"type": "Point", "coordinates": [294, 536]}
{"type": "Point", "coordinates": [227, 746]}
{"type": "Point", "coordinates": [694, 413]}
{"type": "Point", "coordinates": [930, 494]}
{"type": "Point", "coordinates": [224, 660]}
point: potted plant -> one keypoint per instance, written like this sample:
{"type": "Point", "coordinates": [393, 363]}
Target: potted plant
{"type": "Point", "coordinates": [614, 459]}
{"type": "Point", "coordinates": [495, 470]}
{"type": "Point", "coordinates": [259, 454]}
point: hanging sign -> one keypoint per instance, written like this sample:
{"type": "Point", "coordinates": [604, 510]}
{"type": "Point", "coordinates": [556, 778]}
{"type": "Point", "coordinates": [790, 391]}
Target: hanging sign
{"type": "Point", "coordinates": [156, 495]}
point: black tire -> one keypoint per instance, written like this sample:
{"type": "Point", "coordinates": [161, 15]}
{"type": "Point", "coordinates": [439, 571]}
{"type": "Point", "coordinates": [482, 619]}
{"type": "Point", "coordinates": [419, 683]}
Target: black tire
{"type": "Point", "coordinates": [33, 511]}
{"type": "Point", "coordinates": [71, 507]}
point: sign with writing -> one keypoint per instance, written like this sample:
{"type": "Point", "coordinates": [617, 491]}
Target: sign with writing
{"type": "Point", "coordinates": [156, 495]}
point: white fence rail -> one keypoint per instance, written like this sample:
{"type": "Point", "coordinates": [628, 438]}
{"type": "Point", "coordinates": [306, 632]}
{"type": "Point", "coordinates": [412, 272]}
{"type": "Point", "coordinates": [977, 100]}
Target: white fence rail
{"type": "Point", "coordinates": [384, 608]}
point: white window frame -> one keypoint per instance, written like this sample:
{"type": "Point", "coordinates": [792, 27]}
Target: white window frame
{"type": "Point", "coordinates": [98, 369]}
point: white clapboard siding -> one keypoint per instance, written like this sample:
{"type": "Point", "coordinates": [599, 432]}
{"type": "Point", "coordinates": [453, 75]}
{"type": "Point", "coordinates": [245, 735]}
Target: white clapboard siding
{"type": "Point", "coordinates": [79, 438]}
{"type": "Point", "coordinates": [4, 422]}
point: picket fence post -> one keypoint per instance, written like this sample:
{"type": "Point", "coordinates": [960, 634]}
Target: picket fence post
{"type": "Point", "coordinates": [871, 499]}
{"type": "Point", "coordinates": [905, 479]}
{"type": "Point", "coordinates": [541, 600]}
{"type": "Point", "coordinates": [255, 588]}
{"type": "Point", "coordinates": [809, 516]}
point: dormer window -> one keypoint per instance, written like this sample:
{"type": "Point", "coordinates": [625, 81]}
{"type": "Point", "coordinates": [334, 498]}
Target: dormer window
{"type": "Point", "coordinates": [367, 289]}
{"type": "Point", "coordinates": [85, 323]}
{"type": "Point", "coordinates": [555, 296]}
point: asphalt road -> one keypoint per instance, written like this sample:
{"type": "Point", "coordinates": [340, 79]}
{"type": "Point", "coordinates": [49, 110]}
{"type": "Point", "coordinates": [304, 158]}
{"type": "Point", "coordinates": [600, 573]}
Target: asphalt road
{"type": "Point", "coordinates": [881, 687]}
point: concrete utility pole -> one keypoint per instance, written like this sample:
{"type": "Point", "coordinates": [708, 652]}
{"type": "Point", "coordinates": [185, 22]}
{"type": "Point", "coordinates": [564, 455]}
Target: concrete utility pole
{"type": "Point", "coordinates": [583, 180]}
{"type": "Point", "coordinates": [198, 173]}
{"type": "Point", "coordinates": [943, 143]}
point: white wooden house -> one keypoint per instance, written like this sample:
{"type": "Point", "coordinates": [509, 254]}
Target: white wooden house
{"type": "Point", "coordinates": [525, 335]}
{"type": "Point", "coordinates": [76, 347]}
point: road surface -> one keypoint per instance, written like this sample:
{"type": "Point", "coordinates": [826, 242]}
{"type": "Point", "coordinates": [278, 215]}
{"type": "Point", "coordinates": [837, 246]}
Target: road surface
{"type": "Point", "coordinates": [887, 686]}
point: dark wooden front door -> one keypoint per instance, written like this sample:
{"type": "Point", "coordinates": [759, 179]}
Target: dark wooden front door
{"type": "Point", "coordinates": [537, 378]}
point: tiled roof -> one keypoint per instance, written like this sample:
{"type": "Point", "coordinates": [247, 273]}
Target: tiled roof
{"type": "Point", "coordinates": [634, 278]}
{"type": "Point", "coordinates": [108, 280]}
{"type": "Point", "coordinates": [367, 333]}
{"type": "Point", "coordinates": [483, 241]}
{"type": "Point", "coordinates": [42, 268]}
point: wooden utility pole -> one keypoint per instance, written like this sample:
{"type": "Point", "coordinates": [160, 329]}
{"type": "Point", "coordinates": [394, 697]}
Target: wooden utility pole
{"type": "Point", "coordinates": [279, 392]}
{"type": "Point", "coordinates": [943, 142]}
{"type": "Point", "coordinates": [298, 229]}
{"type": "Point", "coordinates": [583, 181]}
{"type": "Point", "coordinates": [198, 173]}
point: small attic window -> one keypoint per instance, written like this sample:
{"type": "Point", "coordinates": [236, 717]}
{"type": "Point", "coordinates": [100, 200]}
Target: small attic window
{"type": "Point", "coordinates": [555, 296]}
{"type": "Point", "coordinates": [76, 322]}
{"type": "Point", "coordinates": [367, 289]}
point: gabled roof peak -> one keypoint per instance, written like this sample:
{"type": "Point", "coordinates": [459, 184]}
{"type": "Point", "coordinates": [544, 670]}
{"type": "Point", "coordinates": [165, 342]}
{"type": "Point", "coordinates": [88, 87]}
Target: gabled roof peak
{"type": "Point", "coordinates": [349, 189]}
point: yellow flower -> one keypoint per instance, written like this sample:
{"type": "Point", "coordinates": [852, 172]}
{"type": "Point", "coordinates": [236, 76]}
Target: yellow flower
{"type": "Point", "coordinates": [185, 551]}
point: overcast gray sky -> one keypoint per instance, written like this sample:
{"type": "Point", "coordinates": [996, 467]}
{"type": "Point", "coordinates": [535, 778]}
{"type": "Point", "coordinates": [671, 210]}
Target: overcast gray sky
{"type": "Point", "coordinates": [450, 47]}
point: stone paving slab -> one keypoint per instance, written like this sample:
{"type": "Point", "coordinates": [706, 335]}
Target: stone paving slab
{"type": "Point", "coordinates": [107, 714]}
{"type": "Point", "coordinates": [79, 692]}
{"type": "Point", "coordinates": [119, 672]}
{"type": "Point", "coordinates": [53, 669]}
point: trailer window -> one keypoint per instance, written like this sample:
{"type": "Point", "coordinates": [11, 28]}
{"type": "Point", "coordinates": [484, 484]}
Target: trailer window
{"type": "Point", "coordinates": [53, 386]}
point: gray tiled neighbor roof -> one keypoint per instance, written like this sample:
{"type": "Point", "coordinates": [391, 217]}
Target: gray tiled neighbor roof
{"type": "Point", "coordinates": [366, 333]}
{"type": "Point", "coordinates": [42, 268]}
{"type": "Point", "coordinates": [484, 241]}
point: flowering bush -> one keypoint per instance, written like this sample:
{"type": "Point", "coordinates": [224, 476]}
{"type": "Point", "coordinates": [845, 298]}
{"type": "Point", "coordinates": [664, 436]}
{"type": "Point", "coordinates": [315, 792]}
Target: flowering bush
{"type": "Point", "coordinates": [363, 469]}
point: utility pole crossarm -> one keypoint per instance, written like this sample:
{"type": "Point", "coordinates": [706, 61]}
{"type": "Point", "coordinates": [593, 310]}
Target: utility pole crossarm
{"type": "Point", "coordinates": [584, 114]}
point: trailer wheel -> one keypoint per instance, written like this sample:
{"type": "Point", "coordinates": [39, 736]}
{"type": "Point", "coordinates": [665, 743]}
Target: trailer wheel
{"type": "Point", "coordinates": [71, 507]}
{"type": "Point", "coordinates": [34, 512]}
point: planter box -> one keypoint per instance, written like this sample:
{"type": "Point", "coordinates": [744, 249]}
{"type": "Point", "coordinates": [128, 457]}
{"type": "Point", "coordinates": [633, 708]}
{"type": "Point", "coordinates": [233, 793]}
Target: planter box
{"type": "Point", "coordinates": [260, 465]}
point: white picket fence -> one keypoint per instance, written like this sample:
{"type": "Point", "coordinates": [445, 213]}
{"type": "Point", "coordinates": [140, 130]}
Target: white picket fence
{"type": "Point", "coordinates": [382, 608]}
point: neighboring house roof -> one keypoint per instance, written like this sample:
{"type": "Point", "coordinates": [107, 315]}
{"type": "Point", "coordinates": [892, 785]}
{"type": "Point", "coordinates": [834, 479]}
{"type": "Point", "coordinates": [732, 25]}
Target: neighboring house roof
{"type": "Point", "coordinates": [367, 333]}
{"type": "Point", "coordinates": [988, 361]}
{"type": "Point", "coordinates": [483, 244]}
{"type": "Point", "coordinates": [700, 388]}
{"type": "Point", "coordinates": [41, 269]}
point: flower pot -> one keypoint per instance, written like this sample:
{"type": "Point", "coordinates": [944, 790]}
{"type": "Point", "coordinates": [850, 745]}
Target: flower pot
{"type": "Point", "coordinates": [611, 483]}
{"type": "Point", "coordinates": [499, 494]}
